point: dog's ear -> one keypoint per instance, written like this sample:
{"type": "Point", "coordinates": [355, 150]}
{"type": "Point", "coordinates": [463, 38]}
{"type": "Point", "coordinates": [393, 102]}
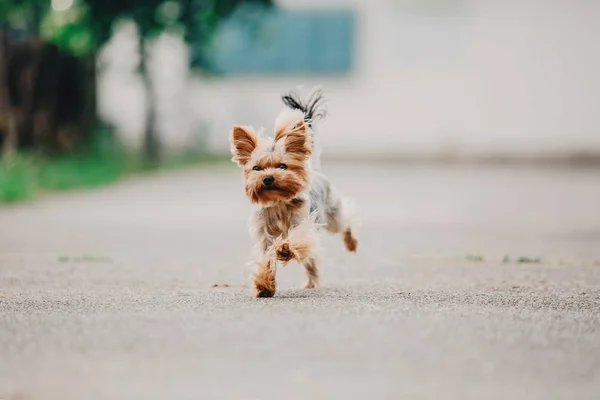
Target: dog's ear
{"type": "Point", "coordinates": [287, 121]}
{"type": "Point", "coordinates": [243, 142]}
{"type": "Point", "coordinates": [298, 141]}
{"type": "Point", "coordinates": [291, 128]}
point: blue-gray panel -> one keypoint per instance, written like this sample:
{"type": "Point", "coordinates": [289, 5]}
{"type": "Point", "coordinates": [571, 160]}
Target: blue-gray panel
{"type": "Point", "coordinates": [283, 42]}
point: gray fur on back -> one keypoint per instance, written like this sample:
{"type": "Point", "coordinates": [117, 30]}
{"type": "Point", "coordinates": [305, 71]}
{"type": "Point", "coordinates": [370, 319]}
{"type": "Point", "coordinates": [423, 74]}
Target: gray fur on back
{"type": "Point", "coordinates": [324, 203]}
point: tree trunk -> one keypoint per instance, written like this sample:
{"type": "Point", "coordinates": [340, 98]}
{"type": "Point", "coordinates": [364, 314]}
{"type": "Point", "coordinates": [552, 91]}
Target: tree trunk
{"type": "Point", "coordinates": [151, 146]}
{"type": "Point", "coordinates": [36, 18]}
{"type": "Point", "coordinates": [51, 102]}
{"type": "Point", "coordinates": [7, 126]}
{"type": "Point", "coordinates": [90, 112]}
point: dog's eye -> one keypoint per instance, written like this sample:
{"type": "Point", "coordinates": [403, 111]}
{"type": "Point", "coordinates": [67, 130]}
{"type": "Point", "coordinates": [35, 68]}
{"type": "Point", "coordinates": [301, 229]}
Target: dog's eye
{"type": "Point", "coordinates": [256, 168]}
{"type": "Point", "coordinates": [282, 166]}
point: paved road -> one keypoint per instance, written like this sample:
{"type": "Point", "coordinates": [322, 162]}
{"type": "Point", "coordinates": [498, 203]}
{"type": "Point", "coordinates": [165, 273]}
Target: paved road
{"type": "Point", "coordinates": [108, 294]}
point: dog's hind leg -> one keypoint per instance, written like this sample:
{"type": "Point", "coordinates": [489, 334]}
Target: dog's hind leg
{"type": "Point", "coordinates": [341, 218]}
{"type": "Point", "coordinates": [311, 267]}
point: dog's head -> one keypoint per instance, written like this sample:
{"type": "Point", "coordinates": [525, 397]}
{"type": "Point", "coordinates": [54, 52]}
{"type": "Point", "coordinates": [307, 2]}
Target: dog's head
{"type": "Point", "coordinates": [274, 169]}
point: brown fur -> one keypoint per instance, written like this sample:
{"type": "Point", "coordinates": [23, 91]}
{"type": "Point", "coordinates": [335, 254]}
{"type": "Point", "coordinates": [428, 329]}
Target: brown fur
{"type": "Point", "coordinates": [264, 279]}
{"type": "Point", "coordinates": [282, 225]}
{"type": "Point", "coordinates": [288, 182]}
{"type": "Point", "coordinates": [350, 241]}
{"type": "Point", "coordinates": [293, 123]}
{"type": "Point", "coordinates": [243, 143]}
{"type": "Point", "coordinates": [298, 244]}
{"type": "Point", "coordinates": [276, 221]}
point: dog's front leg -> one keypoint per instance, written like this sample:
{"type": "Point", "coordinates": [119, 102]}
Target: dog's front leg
{"type": "Point", "coordinates": [264, 277]}
{"type": "Point", "coordinates": [266, 267]}
{"type": "Point", "coordinates": [300, 245]}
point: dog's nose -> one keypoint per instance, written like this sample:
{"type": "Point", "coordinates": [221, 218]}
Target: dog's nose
{"type": "Point", "coordinates": [268, 180]}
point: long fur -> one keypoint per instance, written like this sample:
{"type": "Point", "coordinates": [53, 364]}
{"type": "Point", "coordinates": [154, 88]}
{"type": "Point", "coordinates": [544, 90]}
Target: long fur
{"type": "Point", "coordinates": [295, 202]}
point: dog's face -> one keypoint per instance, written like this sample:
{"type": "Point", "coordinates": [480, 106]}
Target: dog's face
{"type": "Point", "coordinates": [274, 169]}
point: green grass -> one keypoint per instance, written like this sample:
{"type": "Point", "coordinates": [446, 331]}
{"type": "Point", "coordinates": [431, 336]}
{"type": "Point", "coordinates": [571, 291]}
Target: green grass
{"type": "Point", "coordinates": [17, 176]}
{"type": "Point", "coordinates": [23, 176]}
{"type": "Point", "coordinates": [528, 260]}
{"type": "Point", "coordinates": [522, 260]}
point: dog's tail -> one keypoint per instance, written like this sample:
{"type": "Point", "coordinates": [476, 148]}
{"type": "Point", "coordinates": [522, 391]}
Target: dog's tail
{"type": "Point", "coordinates": [313, 106]}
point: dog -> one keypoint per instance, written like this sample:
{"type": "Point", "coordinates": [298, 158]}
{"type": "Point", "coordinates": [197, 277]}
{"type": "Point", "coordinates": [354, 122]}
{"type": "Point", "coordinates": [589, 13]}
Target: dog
{"type": "Point", "coordinates": [294, 200]}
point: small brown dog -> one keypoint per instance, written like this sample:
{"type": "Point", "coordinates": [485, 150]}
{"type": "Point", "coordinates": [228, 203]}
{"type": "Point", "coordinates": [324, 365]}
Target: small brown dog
{"type": "Point", "coordinates": [293, 198]}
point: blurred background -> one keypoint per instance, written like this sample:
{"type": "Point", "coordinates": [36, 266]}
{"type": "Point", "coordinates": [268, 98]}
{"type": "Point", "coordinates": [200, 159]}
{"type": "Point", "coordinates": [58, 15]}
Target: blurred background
{"type": "Point", "coordinates": [467, 132]}
{"type": "Point", "coordinates": [92, 90]}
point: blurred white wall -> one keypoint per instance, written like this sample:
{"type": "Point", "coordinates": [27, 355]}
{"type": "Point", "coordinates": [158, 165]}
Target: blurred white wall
{"type": "Point", "coordinates": [470, 77]}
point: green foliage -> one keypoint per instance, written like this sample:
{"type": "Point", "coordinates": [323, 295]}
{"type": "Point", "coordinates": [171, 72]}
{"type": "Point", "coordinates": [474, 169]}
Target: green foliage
{"type": "Point", "coordinates": [82, 27]}
{"type": "Point", "coordinates": [79, 171]}
{"type": "Point", "coordinates": [26, 176]}
{"type": "Point", "coordinates": [85, 25]}
{"type": "Point", "coordinates": [197, 20]}
{"type": "Point", "coordinates": [23, 176]}
{"type": "Point", "coordinates": [20, 13]}
{"type": "Point", "coordinates": [70, 30]}
{"type": "Point", "coordinates": [17, 173]}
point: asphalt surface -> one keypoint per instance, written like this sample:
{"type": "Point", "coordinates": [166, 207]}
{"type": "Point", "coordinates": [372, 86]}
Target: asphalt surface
{"type": "Point", "coordinates": [110, 293]}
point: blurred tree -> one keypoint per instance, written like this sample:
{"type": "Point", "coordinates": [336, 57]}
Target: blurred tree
{"type": "Point", "coordinates": [24, 15]}
{"type": "Point", "coordinates": [9, 134]}
{"type": "Point", "coordinates": [196, 19]}
{"type": "Point", "coordinates": [82, 27]}
{"type": "Point", "coordinates": [40, 85]}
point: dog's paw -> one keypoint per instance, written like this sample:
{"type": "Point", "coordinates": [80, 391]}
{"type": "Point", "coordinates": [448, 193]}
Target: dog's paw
{"type": "Point", "coordinates": [264, 283]}
{"type": "Point", "coordinates": [264, 286]}
{"type": "Point", "coordinates": [264, 292]}
{"type": "Point", "coordinates": [311, 284]}
{"type": "Point", "coordinates": [284, 252]}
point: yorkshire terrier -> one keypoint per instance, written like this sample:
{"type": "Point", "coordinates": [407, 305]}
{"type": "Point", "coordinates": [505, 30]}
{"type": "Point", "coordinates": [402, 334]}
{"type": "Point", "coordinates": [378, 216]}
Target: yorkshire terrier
{"type": "Point", "coordinates": [293, 199]}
